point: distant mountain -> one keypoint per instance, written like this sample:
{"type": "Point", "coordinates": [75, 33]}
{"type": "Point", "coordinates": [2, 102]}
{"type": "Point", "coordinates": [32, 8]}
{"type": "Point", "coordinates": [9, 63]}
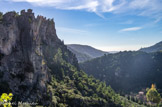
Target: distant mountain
{"type": "Point", "coordinates": [85, 52]}
{"type": "Point", "coordinates": [113, 52]}
{"type": "Point", "coordinates": [127, 71]}
{"type": "Point", "coordinates": [154, 48]}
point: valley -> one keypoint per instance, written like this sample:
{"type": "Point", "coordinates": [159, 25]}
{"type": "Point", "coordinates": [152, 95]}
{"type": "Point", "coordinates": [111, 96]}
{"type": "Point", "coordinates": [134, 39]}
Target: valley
{"type": "Point", "coordinates": [37, 67]}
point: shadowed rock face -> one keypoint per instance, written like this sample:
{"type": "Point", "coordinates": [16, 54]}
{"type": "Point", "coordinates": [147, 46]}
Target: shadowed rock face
{"type": "Point", "coordinates": [27, 45]}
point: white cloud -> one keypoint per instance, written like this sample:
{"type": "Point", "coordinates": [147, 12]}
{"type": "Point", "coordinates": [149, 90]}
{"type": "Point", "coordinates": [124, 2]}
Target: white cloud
{"type": "Point", "coordinates": [131, 29]}
{"type": "Point", "coordinates": [90, 6]}
{"type": "Point", "coordinates": [151, 8]}
{"type": "Point", "coordinates": [97, 6]}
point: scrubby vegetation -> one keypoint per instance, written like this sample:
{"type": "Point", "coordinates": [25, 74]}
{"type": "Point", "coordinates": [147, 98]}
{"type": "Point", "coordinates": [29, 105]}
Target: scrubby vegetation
{"type": "Point", "coordinates": [77, 88]}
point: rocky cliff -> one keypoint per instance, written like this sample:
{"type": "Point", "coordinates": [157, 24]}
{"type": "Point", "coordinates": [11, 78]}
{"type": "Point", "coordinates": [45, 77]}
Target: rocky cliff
{"type": "Point", "coordinates": [27, 47]}
{"type": "Point", "coordinates": [37, 67]}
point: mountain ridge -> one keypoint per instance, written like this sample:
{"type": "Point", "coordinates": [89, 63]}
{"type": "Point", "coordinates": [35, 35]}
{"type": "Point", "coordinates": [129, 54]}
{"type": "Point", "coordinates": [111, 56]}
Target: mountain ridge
{"type": "Point", "coordinates": [127, 71]}
{"type": "Point", "coordinates": [85, 52]}
{"type": "Point", "coordinates": [154, 48]}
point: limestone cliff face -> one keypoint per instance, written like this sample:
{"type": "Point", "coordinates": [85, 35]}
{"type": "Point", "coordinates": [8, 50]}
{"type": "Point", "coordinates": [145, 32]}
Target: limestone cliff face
{"type": "Point", "coordinates": [27, 47]}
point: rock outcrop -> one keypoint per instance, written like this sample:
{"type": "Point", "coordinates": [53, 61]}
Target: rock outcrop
{"type": "Point", "coordinates": [27, 47]}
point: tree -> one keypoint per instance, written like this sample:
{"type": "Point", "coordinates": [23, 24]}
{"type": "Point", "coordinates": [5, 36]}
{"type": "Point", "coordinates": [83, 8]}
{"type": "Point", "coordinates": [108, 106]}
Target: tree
{"type": "Point", "coordinates": [153, 95]}
{"type": "Point", "coordinates": [1, 16]}
{"type": "Point", "coordinates": [5, 100]}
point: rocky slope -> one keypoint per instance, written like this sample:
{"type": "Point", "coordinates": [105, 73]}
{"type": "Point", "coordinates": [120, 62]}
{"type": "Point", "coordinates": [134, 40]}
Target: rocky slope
{"type": "Point", "coordinates": [85, 52]}
{"type": "Point", "coordinates": [27, 46]}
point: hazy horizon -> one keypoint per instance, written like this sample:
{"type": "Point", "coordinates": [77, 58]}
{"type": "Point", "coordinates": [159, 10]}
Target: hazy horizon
{"type": "Point", "coordinates": [107, 49]}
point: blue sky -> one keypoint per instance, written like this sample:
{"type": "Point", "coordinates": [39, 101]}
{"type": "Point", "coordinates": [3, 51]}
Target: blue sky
{"type": "Point", "coordinates": [110, 25]}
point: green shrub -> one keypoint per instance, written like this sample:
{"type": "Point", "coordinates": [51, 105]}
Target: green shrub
{"type": "Point", "coordinates": [30, 20]}
{"type": "Point", "coordinates": [1, 16]}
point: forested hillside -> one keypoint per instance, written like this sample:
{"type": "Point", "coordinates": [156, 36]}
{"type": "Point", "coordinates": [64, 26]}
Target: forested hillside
{"type": "Point", "coordinates": [127, 71]}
